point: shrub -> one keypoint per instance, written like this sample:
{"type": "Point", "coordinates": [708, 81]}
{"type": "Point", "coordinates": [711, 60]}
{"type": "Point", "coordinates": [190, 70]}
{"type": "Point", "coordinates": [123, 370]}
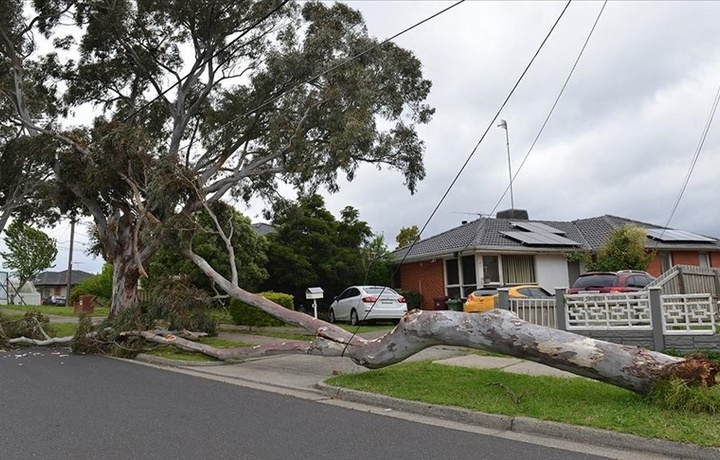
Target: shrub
{"type": "Point", "coordinates": [99, 285]}
{"type": "Point", "coordinates": [413, 299]}
{"type": "Point", "coordinates": [247, 315]}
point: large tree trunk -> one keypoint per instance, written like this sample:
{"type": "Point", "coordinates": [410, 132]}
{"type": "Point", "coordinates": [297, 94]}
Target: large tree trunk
{"type": "Point", "coordinates": [501, 331]}
{"type": "Point", "coordinates": [125, 282]}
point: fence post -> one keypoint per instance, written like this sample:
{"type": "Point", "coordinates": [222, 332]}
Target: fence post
{"type": "Point", "coordinates": [503, 298]}
{"type": "Point", "coordinates": [560, 318]}
{"type": "Point", "coordinates": [681, 279]}
{"type": "Point", "coordinates": [656, 317]}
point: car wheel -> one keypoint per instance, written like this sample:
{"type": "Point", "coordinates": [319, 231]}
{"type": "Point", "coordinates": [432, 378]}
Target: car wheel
{"type": "Point", "coordinates": [331, 316]}
{"type": "Point", "coordinates": [354, 320]}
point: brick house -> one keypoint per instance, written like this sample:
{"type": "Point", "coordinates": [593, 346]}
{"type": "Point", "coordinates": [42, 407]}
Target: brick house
{"type": "Point", "coordinates": [511, 249]}
{"type": "Point", "coordinates": [55, 283]}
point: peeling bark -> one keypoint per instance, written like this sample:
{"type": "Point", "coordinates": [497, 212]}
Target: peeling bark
{"type": "Point", "coordinates": [41, 343]}
{"type": "Point", "coordinates": [501, 331]}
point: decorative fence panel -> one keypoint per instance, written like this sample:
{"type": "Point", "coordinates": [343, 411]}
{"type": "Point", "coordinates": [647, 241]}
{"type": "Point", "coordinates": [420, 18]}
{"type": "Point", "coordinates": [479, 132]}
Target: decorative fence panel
{"type": "Point", "coordinates": [685, 314]}
{"type": "Point", "coordinates": [608, 311]}
{"type": "Point", "coordinates": [536, 311]}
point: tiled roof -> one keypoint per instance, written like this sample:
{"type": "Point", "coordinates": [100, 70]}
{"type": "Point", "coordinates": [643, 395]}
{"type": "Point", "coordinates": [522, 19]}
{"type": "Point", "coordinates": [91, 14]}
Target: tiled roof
{"type": "Point", "coordinates": [60, 278]}
{"type": "Point", "coordinates": [263, 228]}
{"type": "Point", "coordinates": [485, 233]}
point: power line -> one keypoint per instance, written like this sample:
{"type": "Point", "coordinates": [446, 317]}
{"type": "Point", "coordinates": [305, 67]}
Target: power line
{"type": "Point", "coordinates": [474, 150]}
{"type": "Point", "coordinates": [482, 138]}
{"type": "Point", "coordinates": [333, 68]}
{"type": "Point", "coordinates": [693, 163]}
{"type": "Point", "coordinates": [207, 60]}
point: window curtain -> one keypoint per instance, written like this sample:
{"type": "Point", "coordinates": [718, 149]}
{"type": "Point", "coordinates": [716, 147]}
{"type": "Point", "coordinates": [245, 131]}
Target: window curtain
{"type": "Point", "coordinates": [518, 269]}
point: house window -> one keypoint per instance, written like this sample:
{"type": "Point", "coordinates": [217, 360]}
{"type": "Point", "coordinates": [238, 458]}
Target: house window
{"type": "Point", "coordinates": [491, 269]}
{"type": "Point", "coordinates": [665, 261]}
{"type": "Point", "coordinates": [704, 259]}
{"type": "Point", "coordinates": [460, 276]}
{"type": "Point", "coordinates": [518, 269]}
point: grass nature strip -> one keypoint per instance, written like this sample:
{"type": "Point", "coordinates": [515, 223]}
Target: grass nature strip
{"type": "Point", "coordinates": [57, 311]}
{"type": "Point", "coordinates": [575, 401]}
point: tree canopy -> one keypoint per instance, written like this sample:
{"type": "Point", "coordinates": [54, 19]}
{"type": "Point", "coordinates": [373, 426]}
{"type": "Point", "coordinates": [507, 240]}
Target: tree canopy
{"type": "Point", "coordinates": [248, 250]}
{"type": "Point", "coordinates": [624, 250]}
{"type": "Point", "coordinates": [311, 248]}
{"type": "Point", "coordinates": [30, 251]}
{"type": "Point", "coordinates": [195, 101]}
{"type": "Point", "coordinates": [407, 236]}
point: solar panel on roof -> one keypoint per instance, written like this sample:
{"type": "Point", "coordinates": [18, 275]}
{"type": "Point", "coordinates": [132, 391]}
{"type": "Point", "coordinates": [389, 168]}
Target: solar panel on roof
{"type": "Point", "coordinates": [540, 239]}
{"type": "Point", "coordinates": [668, 235]}
{"type": "Point", "coordinates": [537, 227]}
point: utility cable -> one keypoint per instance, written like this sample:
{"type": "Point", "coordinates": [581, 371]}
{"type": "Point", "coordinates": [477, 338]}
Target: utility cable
{"type": "Point", "coordinates": [693, 163]}
{"type": "Point", "coordinates": [207, 60]}
{"type": "Point", "coordinates": [474, 150]}
{"type": "Point", "coordinates": [331, 69]}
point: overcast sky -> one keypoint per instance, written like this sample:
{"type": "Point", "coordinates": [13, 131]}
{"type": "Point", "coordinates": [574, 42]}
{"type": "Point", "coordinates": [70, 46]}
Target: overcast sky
{"type": "Point", "coordinates": [620, 142]}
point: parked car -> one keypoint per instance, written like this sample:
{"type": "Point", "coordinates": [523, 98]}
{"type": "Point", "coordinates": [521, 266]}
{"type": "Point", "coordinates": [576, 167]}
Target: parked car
{"type": "Point", "coordinates": [366, 303]}
{"type": "Point", "coordinates": [58, 300]}
{"type": "Point", "coordinates": [609, 282]}
{"type": "Point", "coordinates": [486, 299]}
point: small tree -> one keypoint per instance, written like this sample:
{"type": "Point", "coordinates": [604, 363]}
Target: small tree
{"type": "Point", "coordinates": [30, 251]}
{"type": "Point", "coordinates": [624, 250]}
{"type": "Point", "coordinates": [407, 236]}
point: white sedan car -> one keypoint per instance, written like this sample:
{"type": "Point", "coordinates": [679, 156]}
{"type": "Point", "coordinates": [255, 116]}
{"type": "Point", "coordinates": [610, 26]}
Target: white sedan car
{"type": "Point", "coordinates": [364, 303]}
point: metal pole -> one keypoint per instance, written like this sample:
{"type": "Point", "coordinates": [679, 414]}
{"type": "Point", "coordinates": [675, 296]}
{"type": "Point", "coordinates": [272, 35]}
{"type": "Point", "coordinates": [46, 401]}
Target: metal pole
{"type": "Point", "coordinates": [70, 255]}
{"type": "Point", "coordinates": [503, 125]}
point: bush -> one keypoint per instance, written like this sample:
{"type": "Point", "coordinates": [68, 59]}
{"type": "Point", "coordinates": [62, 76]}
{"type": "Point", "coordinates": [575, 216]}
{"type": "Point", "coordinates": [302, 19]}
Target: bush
{"type": "Point", "coordinates": [99, 285]}
{"type": "Point", "coordinates": [247, 315]}
{"type": "Point", "coordinates": [413, 299]}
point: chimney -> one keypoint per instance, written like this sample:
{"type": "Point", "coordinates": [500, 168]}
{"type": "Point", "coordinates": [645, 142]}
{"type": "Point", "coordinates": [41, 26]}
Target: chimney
{"type": "Point", "coordinates": [517, 214]}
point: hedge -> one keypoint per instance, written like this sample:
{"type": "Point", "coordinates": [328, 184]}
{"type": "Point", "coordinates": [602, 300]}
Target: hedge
{"type": "Point", "coordinates": [247, 315]}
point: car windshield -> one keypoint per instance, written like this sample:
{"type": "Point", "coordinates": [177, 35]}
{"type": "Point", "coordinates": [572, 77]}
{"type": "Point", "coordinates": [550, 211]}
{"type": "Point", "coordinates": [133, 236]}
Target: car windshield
{"type": "Point", "coordinates": [604, 280]}
{"type": "Point", "coordinates": [484, 292]}
{"type": "Point", "coordinates": [379, 290]}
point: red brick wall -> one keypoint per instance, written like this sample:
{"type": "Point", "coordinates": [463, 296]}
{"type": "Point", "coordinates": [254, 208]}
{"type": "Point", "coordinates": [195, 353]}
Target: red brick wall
{"type": "Point", "coordinates": [424, 277]}
{"type": "Point", "coordinates": [715, 259]}
{"type": "Point", "coordinates": [685, 258]}
{"type": "Point", "coordinates": [655, 268]}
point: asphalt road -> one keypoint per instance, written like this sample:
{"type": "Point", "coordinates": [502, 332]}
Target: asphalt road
{"type": "Point", "coordinates": [55, 405]}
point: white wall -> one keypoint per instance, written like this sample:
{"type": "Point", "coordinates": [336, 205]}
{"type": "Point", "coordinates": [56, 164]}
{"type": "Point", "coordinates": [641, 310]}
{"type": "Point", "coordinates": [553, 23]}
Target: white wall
{"type": "Point", "coordinates": [551, 271]}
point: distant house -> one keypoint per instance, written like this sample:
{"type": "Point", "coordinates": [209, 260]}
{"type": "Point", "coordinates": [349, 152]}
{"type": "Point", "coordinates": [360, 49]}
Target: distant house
{"type": "Point", "coordinates": [55, 283]}
{"type": "Point", "coordinates": [263, 228]}
{"type": "Point", "coordinates": [515, 250]}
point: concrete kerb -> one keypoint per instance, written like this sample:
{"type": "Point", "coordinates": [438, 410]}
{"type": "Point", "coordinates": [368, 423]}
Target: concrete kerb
{"type": "Point", "coordinates": [527, 425]}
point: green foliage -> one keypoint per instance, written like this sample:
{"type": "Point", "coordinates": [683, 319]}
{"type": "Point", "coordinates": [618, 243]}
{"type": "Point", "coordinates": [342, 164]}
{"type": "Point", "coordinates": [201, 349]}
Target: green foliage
{"type": "Point", "coordinates": [675, 394]}
{"type": "Point", "coordinates": [28, 326]}
{"type": "Point", "coordinates": [176, 305]}
{"type": "Point", "coordinates": [412, 298]}
{"type": "Point", "coordinates": [407, 236]}
{"type": "Point", "coordinates": [30, 251]}
{"type": "Point", "coordinates": [99, 285]}
{"type": "Point", "coordinates": [375, 261]}
{"type": "Point", "coordinates": [249, 249]}
{"type": "Point", "coordinates": [247, 315]}
{"type": "Point", "coordinates": [624, 250]}
{"type": "Point", "coordinates": [150, 161]}
{"type": "Point", "coordinates": [310, 247]}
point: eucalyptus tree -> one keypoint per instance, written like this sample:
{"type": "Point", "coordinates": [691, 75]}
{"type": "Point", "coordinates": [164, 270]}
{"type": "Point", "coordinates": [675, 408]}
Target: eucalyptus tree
{"type": "Point", "coordinates": [161, 108]}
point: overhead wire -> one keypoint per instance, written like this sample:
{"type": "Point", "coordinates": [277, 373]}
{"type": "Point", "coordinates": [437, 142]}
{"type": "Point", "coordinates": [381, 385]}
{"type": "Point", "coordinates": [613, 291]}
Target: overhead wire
{"type": "Point", "coordinates": [477, 145]}
{"type": "Point", "coordinates": [331, 69]}
{"type": "Point", "coordinates": [691, 169]}
{"type": "Point", "coordinates": [210, 58]}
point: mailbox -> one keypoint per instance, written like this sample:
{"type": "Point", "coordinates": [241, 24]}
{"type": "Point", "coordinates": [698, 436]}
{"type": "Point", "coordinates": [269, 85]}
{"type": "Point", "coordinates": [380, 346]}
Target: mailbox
{"type": "Point", "coordinates": [313, 294]}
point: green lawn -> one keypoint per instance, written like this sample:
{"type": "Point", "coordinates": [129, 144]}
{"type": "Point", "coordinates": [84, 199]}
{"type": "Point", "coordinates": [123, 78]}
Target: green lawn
{"type": "Point", "coordinates": [57, 311]}
{"type": "Point", "coordinates": [293, 333]}
{"type": "Point", "coordinates": [575, 401]}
